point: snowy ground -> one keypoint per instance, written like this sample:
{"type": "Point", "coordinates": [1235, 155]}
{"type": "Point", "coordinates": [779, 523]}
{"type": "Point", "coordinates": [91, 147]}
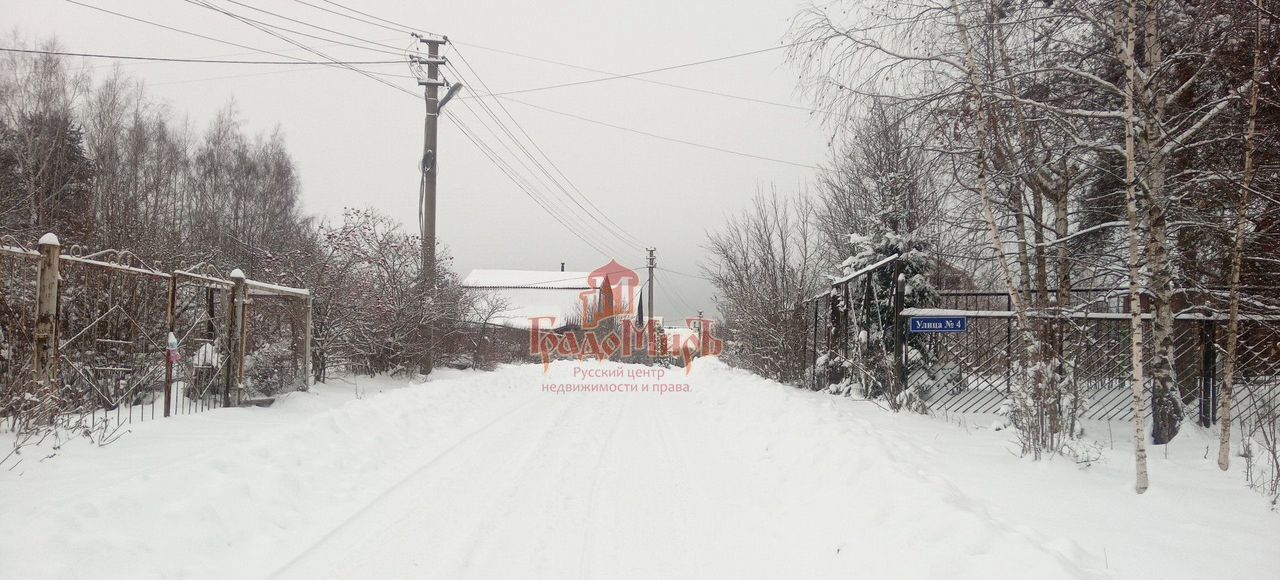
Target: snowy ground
{"type": "Point", "coordinates": [487, 475]}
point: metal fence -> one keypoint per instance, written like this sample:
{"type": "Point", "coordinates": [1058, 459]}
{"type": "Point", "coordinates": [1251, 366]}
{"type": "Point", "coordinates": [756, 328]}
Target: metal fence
{"type": "Point", "coordinates": [93, 341]}
{"type": "Point", "coordinates": [858, 337]}
{"type": "Point", "coordinates": [972, 371]}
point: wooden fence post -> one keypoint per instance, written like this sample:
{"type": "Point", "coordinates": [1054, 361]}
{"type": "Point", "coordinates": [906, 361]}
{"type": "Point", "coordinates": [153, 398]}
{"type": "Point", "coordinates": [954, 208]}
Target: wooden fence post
{"type": "Point", "coordinates": [306, 347]}
{"type": "Point", "coordinates": [45, 357]}
{"type": "Point", "coordinates": [813, 369]}
{"type": "Point", "coordinates": [171, 346]}
{"type": "Point", "coordinates": [235, 351]}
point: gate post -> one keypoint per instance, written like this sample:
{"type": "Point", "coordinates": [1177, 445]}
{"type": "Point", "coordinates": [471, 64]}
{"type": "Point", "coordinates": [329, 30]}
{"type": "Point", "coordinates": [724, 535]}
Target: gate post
{"type": "Point", "coordinates": [45, 358]}
{"type": "Point", "coordinates": [899, 331]}
{"type": "Point", "coordinates": [306, 347]}
{"type": "Point", "coordinates": [235, 350]}
{"type": "Point", "coordinates": [813, 370]}
{"type": "Point", "coordinates": [171, 346]}
{"type": "Point", "coordinates": [1208, 371]}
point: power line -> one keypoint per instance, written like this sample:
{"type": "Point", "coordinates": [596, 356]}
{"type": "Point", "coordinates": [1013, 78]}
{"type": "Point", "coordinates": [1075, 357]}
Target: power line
{"type": "Point", "coordinates": [378, 18]}
{"type": "Point", "coordinates": [675, 293]}
{"type": "Point", "coordinates": [634, 77]}
{"type": "Point", "coordinates": [259, 26]}
{"type": "Point", "coordinates": [663, 137]}
{"type": "Point", "coordinates": [333, 62]}
{"type": "Point", "coordinates": [506, 170]}
{"type": "Point", "coordinates": [677, 272]}
{"type": "Point", "coordinates": [357, 19]}
{"type": "Point", "coordinates": [179, 30]}
{"type": "Point", "coordinates": [192, 60]}
{"type": "Point", "coordinates": [652, 71]}
{"type": "Point", "coordinates": [610, 228]}
{"type": "Point", "coordinates": [528, 183]}
{"type": "Point", "coordinates": [616, 228]}
{"type": "Point", "coordinates": [383, 50]}
{"type": "Point", "coordinates": [393, 49]}
{"type": "Point", "coordinates": [488, 152]}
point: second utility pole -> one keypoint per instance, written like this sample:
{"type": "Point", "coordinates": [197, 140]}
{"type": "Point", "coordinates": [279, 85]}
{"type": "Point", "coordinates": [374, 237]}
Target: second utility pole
{"type": "Point", "coordinates": [652, 264]}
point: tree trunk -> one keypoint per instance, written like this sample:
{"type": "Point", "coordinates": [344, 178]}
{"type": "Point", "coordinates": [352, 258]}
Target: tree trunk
{"type": "Point", "coordinates": [1125, 23]}
{"type": "Point", "coordinates": [1166, 401]}
{"type": "Point", "coordinates": [1237, 252]}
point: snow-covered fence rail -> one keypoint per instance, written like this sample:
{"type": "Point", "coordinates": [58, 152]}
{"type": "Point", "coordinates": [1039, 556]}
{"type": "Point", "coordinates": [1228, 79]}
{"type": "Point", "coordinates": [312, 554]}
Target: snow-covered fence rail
{"type": "Point", "coordinates": [92, 341]}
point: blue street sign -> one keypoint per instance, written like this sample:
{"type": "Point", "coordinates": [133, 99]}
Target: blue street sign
{"type": "Point", "coordinates": [925, 324]}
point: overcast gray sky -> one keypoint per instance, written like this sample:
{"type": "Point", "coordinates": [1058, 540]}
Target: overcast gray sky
{"type": "Point", "coordinates": [357, 142]}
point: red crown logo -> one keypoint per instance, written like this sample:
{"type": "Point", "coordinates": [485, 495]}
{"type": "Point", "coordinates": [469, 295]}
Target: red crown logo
{"type": "Point", "coordinates": [613, 293]}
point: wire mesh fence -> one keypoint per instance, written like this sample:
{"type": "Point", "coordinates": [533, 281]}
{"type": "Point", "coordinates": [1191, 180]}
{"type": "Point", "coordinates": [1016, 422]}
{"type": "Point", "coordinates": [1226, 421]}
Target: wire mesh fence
{"type": "Point", "coordinates": [973, 371]}
{"type": "Point", "coordinates": [858, 338]}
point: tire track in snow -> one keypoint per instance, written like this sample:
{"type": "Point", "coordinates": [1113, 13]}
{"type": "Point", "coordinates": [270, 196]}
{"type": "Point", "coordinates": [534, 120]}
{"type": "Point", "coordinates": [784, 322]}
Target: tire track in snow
{"type": "Point", "coordinates": [310, 549]}
{"type": "Point", "coordinates": [489, 520]}
{"type": "Point", "coordinates": [584, 564]}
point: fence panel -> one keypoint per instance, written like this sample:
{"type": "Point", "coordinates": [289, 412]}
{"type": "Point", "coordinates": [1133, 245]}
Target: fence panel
{"type": "Point", "coordinates": [112, 315]}
{"type": "Point", "coordinates": [972, 371]}
{"type": "Point", "coordinates": [122, 341]}
{"type": "Point", "coordinates": [18, 266]}
{"type": "Point", "coordinates": [200, 327]}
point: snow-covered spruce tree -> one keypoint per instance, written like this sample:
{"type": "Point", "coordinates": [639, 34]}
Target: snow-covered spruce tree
{"type": "Point", "coordinates": [871, 308]}
{"type": "Point", "coordinates": [879, 198]}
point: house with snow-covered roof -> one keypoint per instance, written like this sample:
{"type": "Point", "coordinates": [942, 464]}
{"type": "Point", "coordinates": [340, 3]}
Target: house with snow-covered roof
{"type": "Point", "coordinates": [561, 296]}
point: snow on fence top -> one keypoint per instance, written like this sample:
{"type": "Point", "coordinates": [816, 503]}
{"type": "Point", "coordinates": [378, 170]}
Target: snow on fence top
{"type": "Point", "coordinates": [261, 288]}
{"type": "Point", "coordinates": [551, 280]}
{"type": "Point", "coordinates": [1093, 315]}
{"type": "Point", "coordinates": [19, 252]}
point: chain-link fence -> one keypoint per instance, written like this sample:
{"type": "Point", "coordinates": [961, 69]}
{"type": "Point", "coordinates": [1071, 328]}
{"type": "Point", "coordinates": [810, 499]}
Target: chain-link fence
{"type": "Point", "coordinates": [972, 371]}
{"type": "Point", "coordinates": [858, 337]}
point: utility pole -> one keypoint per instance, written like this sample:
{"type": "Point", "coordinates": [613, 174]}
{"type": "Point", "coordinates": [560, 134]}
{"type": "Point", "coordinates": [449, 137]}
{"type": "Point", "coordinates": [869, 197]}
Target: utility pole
{"type": "Point", "coordinates": [652, 263]}
{"type": "Point", "coordinates": [427, 191]}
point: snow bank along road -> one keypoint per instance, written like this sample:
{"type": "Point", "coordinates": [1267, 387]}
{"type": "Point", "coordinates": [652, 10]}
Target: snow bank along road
{"type": "Point", "coordinates": [488, 475]}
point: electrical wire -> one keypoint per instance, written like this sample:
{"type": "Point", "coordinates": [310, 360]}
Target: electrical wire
{"type": "Point", "coordinates": [378, 18]}
{"type": "Point", "coordinates": [558, 180]}
{"type": "Point", "coordinates": [382, 49]}
{"type": "Point", "coordinates": [612, 227]}
{"type": "Point", "coordinates": [637, 76]}
{"type": "Point", "coordinates": [652, 71]}
{"type": "Point", "coordinates": [650, 81]}
{"type": "Point", "coordinates": [501, 125]}
{"type": "Point", "coordinates": [662, 137]}
{"type": "Point", "coordinates": [191, 60]}
{"type": "Point", "coordinates": [386, 47]}
{"type": "Point", "coordinates": [679, 273]}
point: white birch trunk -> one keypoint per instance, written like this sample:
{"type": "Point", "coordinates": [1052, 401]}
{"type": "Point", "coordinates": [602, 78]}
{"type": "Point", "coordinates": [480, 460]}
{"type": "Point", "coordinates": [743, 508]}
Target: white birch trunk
{"type": "Point", "coordinates": [1237, 252]}
{"type": "Point", "coordinates": [1128, 29]}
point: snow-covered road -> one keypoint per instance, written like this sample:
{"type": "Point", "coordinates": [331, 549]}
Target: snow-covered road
{"type": "Point", "coordinates": [488, 475]}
